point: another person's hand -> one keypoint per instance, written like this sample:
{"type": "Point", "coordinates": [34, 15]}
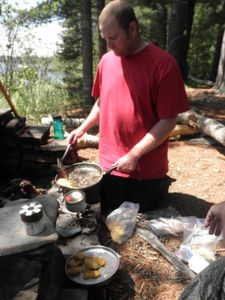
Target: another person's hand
{"type": "Point", "coordinates": [74, 135]}
{"type": "Point", "coordinates": [215, 219]}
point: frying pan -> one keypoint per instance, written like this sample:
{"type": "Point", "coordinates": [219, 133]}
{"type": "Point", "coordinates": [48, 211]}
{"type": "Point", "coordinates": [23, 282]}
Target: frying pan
{"type": "Point", "coordinates": [91, 190]}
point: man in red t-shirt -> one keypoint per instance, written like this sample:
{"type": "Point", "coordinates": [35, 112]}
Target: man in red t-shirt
{"type": "Point", "coordinates": [139, 91]}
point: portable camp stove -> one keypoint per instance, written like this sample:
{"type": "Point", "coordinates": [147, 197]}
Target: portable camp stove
{"type": "Point", "coordinates": [71, 223]}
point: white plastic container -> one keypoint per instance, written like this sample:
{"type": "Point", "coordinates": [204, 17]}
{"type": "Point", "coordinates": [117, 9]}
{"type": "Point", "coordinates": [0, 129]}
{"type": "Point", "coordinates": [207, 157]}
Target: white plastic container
{"type": "Point", "coordinates": [32, 216]}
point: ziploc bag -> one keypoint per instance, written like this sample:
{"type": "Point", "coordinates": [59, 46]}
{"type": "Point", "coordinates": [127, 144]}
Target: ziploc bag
{"type": "Point", "coordinates": [121, 221]}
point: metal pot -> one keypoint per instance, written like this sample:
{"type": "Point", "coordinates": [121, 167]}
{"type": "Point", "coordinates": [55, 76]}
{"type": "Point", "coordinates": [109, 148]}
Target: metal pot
{"type": "Point", "coordinates": [91, 190]}
{"type": "Point", "coordinates": [75, 201]}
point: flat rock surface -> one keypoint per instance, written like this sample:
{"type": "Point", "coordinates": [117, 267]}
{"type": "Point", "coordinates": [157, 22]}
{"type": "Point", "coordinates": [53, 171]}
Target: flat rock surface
{"type": "Point", "coordinates": [16, 239]}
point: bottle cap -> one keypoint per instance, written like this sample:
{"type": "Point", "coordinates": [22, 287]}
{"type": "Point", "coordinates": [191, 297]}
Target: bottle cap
{"type": "Point", "coordinates": [57, 117]}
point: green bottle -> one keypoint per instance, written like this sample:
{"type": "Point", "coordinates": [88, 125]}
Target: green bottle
{"type": "Point", "coordinates": [57, 125]}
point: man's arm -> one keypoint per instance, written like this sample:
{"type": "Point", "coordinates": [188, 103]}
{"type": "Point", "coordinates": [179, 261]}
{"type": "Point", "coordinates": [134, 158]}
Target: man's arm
{"type": "Point", "coordinates": [150, 141]}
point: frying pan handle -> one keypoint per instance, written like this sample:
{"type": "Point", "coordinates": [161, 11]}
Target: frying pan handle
{"type": "Point", "coordinates": [109, 170]}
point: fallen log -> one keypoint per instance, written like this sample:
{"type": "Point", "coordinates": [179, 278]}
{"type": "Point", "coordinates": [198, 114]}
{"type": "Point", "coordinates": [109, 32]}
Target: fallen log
{"type": "Point", "coordinates": [72, 122]}
{"type": "Point", "coordinates": [192, 124]}
{"type": "Point", "coordinates": [88, 141]}
{"type": "Point", "coordinates": [206, 125]}
{"type": "Point", "coordinates": [153, 240]}
{"type": "Point", "coordinates": [201, 81]}
{"type": "Point", "coordinates": [183, 129]}
{"type": "Point", "coordinates": [92, 141]}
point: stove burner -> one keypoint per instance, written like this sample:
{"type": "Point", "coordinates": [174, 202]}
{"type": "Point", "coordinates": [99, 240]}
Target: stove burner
{"type": "Point", "coordinates": [71, 223]}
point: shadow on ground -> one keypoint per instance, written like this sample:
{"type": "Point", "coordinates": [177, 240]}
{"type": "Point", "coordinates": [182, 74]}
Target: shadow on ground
{"type": "Point", "coordinates": [188, 205]}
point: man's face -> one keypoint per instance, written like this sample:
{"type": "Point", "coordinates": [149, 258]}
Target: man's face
{"type": "Point", "coordinates": [119, 40]}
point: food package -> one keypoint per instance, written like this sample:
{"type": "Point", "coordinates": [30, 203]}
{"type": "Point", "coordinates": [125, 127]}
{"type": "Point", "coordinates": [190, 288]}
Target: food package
{"type": "Point", "coordinates": [121, 221]}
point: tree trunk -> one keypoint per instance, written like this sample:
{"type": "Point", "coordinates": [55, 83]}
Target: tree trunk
{"type": "Point", "coordinates": [216, 57]}
{"type": "Point", "coordinates": [190, 16]}
{"type": "Point", "coordinates": [101, 41]}
{"type": "Point", "coordinates": [87, 53]}
{"type": "Point", "coordinates": [208, 126]}
{"type": "Point", "coordinates": [180, 23]}
{"type": "Point", "coordinates": [220, 79]}
{"type": "Point", "coordinates": [158, 26]}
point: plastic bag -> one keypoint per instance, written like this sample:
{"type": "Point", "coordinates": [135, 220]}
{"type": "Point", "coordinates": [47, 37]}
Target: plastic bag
{"type": "Point", "coordinates": [172, 226]}
{"type": "Point", "coordinates": [121, 221]}
{"type": "Point", "coordinates": [201, 242]}
{"type": "Point", "coordinates": [165, 226]}
{"type": "Point", "coordinates": [198, 247]}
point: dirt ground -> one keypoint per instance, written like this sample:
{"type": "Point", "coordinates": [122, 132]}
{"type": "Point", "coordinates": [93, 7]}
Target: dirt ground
{"type": "Point", "coordinates": [197, 172]}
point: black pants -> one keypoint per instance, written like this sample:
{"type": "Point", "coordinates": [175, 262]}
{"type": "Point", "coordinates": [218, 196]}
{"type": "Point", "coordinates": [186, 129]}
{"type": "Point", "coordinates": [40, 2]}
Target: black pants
{"type": "Point", "coordinates": [150, 194]}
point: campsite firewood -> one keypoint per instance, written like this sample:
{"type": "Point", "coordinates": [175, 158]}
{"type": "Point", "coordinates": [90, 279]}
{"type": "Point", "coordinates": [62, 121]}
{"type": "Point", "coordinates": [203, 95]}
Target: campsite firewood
{"type": "Point", "coordinates": [182, 129]}
{"type": "Point", "coordinates": [91, 141]}
{"type": "Point", "coordinates": [87, 141]}
{"type": "Point", "coordinates": [153, 240]}
{"type": "Point", "coordinates": [72, 122]}
{"type": "Point", "coordinates": [207, 125]}
{"type": "Point", "coordinates": [192, 123]}
{"type": "Point", "coordinates": [19, 188]}
{"type": "Point", "coordinates": [201, 81]}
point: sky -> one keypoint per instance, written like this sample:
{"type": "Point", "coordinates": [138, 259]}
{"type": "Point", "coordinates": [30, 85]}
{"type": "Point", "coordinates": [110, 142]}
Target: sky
{"type": "Point", "coordinates": [43, 39]}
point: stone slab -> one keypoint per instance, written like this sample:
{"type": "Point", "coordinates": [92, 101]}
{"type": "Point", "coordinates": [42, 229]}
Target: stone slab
{"type": "Point", "coordinates": [49, 202]}
{"type": "Point", "coordinates": [78, 243]}
{"type": "Point", "coordinates": [14, 125]}
{"type": "Point", "coordinates": [55, 145]}
{"type": "Point", "coordinates": [14, 237]}
{"type": "Point", "coordinates": [35, 135]}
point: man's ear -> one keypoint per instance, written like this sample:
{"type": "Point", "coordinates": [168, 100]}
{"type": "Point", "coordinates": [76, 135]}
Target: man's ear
{"type": "Point", "coordinates": [133, 27]}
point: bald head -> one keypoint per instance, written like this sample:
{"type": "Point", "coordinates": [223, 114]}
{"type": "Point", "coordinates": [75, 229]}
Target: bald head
{"type": "Point", "coordinates": [119, 27]}
{"type": "Point", "coordinates": [119, 10]}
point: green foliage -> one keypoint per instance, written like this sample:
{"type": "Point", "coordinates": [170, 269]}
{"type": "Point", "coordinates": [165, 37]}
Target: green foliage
{"type": "Point", "coordinates": [203, 41]}
{"type": "Point", "coordinates": [26, 76]}
{"type": "Point", "coordinates": [145, 16]}
{"type": "Point", "coordinates": [43, 12]}
{"type": "Point", "coordinates": [208, 20]}
{"type": "Point", "coordinates": [33, 96]}
{"type": "Point", "coordinates": [69, 52]}
{"type": "Point", "coordinates": [38, 99]}
{"type": "Point", "coordinates": [43, 98]}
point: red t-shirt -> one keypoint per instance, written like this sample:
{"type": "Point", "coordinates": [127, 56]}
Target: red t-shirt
{"type": "Point", "coordinates": [135, 92]}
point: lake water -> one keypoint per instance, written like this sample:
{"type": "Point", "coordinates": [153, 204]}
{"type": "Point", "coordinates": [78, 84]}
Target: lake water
{"type": "Point", "coordinates": [51, 76]}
